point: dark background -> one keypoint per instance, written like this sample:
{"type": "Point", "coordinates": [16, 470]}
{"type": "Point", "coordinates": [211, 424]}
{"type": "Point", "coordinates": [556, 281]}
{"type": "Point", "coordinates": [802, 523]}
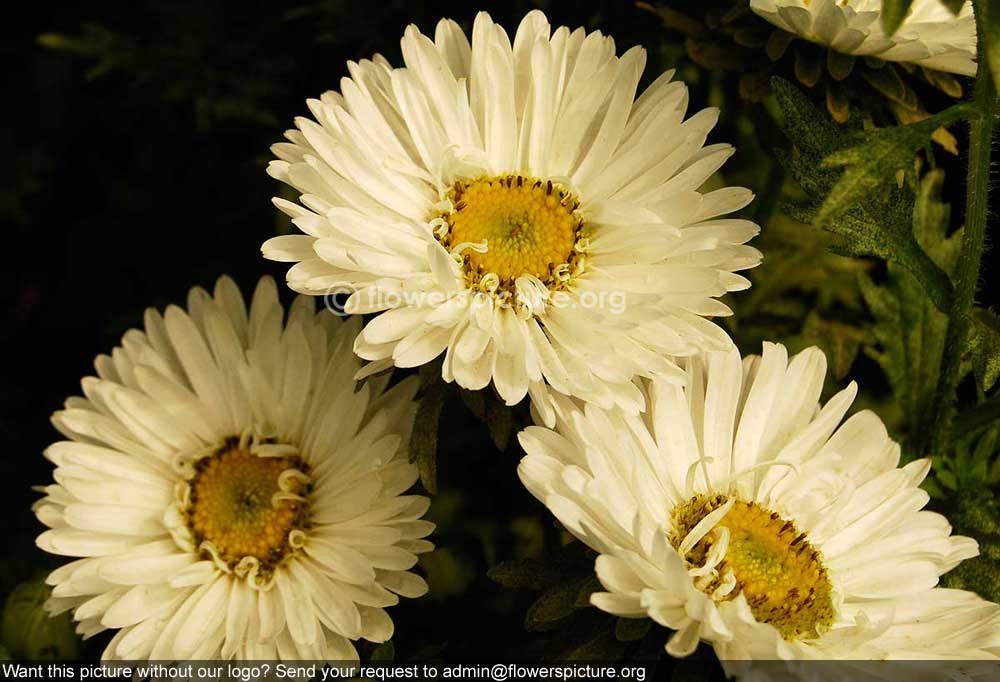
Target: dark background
{"type": "Point", "coordinates": [135, 140]}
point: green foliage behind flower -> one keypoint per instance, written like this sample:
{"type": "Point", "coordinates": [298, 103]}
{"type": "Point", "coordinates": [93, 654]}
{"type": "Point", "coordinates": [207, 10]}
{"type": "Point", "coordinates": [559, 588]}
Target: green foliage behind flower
{"type": "Point", "coordinates": [28, 632]}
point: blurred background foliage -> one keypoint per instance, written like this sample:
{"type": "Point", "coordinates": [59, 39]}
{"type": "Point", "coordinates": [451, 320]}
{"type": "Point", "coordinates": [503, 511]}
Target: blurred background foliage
{"type": "Point", "coordinates": [137, 135]}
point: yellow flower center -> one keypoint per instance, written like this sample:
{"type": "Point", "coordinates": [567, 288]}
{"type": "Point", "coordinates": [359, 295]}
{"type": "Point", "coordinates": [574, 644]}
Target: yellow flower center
{"type": "Point", "coordinates": [512, 226]}
{"type": "Point", "coordinates": [774, 566]}
{"type": "Point", "coordinates": [243, 506]}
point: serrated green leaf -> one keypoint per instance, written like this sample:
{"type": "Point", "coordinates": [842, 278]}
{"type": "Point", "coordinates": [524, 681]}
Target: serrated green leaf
{"type": "Point", "coordinates": [845, 176]}
{"type": "Point", "coordinates": [555, 604]}
{"type": "Point", "coordinates": [887, 236]}
{"type": "Point", "coordinates": [538, 573]}
{"type": "Point", "coordinates": [909, 331]}
{"type": "Point", "coordinates": [978, 515]}
{"type": "Point", "coordinates": [475, 401]}
{"type": "Point", "coordinates": [984, 342]}
{"type": "Point", "coordinates": [893, 14]}
{"type": "Point", "coordinates": [424, 440]}
{"type": "Point", "coordinates": [875, 158]}
{"type": "Point", "coordinates": [804, 124]}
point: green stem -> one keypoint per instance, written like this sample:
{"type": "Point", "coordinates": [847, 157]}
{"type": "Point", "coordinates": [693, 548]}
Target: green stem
{"type": "Point", "coordinates": [966, 274]}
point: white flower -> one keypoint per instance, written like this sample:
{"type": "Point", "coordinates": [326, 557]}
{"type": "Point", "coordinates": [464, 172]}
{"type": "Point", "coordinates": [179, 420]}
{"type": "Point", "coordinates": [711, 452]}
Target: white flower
{"type": "Point", "coordinates": [930, 36]}
{"type": "Point", "coordinates": [738, 512]}
{"type": "Point", "coordinates": [228, 490]}
{"type": "Point", "coordinates": [511, 206]}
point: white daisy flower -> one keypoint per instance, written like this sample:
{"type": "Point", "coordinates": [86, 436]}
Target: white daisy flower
{"type": "Point", "coordinates": [930, 36]}
{"type": "Point", "coordinates": [739, 512]}
{"type": "Point", "coordinates": [229, 490]}
{"type": "Point", "coordinates": [511, 206]}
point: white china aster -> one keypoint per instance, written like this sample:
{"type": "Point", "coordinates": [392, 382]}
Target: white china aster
{"type": "Point", "coordinates": [739, 512]}
{"type": "Point", "coordinates": [229, 493]}
{"type": "Point", "coordinates": [930, 36]}
{"type": "Point", "coordinates": [511, 206]}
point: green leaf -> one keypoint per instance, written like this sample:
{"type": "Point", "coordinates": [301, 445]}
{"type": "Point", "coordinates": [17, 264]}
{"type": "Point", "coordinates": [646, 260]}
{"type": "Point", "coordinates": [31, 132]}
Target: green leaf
{"type": "Point", "coordinates": [632, 629]}
{"type": "Point", "coordinates": [954, 6]}
{"type": "Point", "coordinates": [565, 576]}
{"type": "Point", "coordinates": [475, 401]}
{"type": "Point", "coordinates": [585, 588]}
{"type": "Point", "coordinates": [601, 646]}
{"type": "Point", "coordinates": [978, 515]}
{"type": "Point", "coordinates": [877, 157]}
{"type": "Point", "coordinates": [988, 21]}
{"type": "Point", "coordinates": [28, 632]}
{"type": "Point", "coordinates": [972, 464]}
{"type": "Point", "coordinates": [554, 605]}
{"type": "Point", "coordinates": [908, 330]}
{"type": "Point", "coordinates": [841, 342]}
{"type": "Point", "coordinates": [883, 232]}
{"type": "Point", "coordinates": [423, 442]}
{"type": "Point", "coordinates": [813, 133]}
{"type": "Point", "coordinates": [845, 176]}
{"type": "Point", "coordinates": [490, 409]}
{"type": "Point", "coordinates": [500, 421]}
{"type": "Point", "coordinates": [893, 14]}
{"type": "Point", "coordinates": [535, 574]}
{"type": "Point", "coordinates": [984, 342]}
{"type": "Point", "coordinates": [909, 333]}
{"type": "Point", "coordinates": [539, 573]}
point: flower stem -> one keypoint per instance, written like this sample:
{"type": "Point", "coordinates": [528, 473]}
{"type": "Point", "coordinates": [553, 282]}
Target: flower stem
{"type": "Point", "coordinates": [966, 276]}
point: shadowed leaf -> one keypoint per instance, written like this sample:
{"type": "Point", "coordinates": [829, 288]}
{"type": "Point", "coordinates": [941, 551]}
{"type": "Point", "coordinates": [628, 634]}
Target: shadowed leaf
{"type": "Point", "coordinates": [984, 342]}
{"type": "Point", "coordinates": [423, 442]}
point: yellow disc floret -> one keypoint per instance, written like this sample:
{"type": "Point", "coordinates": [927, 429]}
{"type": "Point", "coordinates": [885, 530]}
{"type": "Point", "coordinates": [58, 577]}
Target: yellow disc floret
{"type": "Point", "coordinates": [781, 575]}
{"type": "Point", "coordinates": [512, 226]}
{"type": "Point", "coordinates": [240, 508]}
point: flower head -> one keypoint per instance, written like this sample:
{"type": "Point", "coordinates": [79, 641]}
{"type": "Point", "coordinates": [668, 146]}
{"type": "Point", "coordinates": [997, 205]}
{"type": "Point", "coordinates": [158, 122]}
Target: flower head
{"type": "Point", "coordinates": [512, 205]}
{"type": "Point", "coordinates": [229, 492]}
{"type": "Point", "coordinates": [739, 512]}
{"type": "Point", "coordinates": [930, 36]}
